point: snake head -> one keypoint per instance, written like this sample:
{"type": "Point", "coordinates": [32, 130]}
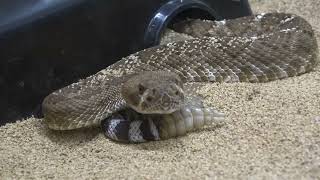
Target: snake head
{"type": "Point", "coordinates": [154, 92]}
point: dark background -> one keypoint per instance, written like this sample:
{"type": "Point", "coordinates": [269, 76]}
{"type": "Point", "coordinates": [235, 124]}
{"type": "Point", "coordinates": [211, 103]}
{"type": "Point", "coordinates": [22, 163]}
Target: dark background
{"type": "Point", "coordinates": [47, 45]}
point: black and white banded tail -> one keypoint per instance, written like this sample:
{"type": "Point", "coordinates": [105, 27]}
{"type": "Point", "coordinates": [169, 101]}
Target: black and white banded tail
{"type": "Point", "coordinates": [130, 126]}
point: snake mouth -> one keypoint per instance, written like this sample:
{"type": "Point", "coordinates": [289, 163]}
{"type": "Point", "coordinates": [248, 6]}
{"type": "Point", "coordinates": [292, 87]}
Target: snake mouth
{"type": "Point", "coordinates": [160, 111]}
{"type": "Point", "coordinates": [159, 108]}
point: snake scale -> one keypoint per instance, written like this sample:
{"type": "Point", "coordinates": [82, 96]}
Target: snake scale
{"type": "Point", "coordinates": [149, 95]}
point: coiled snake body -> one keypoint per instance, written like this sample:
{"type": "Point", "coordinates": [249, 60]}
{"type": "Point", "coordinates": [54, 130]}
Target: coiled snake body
{"type": "Point", "coordinates": [147, 96]}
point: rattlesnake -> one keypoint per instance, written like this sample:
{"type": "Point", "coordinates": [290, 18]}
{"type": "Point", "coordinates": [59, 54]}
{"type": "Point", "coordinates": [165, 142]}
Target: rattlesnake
{"type": "Point", "coordinates": [150, 95]}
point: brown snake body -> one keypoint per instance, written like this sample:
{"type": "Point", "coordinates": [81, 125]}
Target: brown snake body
{"type": "Point", "coordinates": [258, 48]}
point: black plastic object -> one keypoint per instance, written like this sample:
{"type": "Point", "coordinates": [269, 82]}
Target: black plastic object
{"type": "Point", "coordinates": [48, 44]}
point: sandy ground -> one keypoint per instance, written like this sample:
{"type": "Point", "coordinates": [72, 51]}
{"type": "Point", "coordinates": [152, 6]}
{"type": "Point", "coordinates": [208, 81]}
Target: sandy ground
{"type": "Point", "coordinates": [273, 132]}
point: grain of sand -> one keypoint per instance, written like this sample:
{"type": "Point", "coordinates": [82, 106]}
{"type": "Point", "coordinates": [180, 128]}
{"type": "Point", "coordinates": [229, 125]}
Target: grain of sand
{"type": "Point", "coordinates": [272, 132]}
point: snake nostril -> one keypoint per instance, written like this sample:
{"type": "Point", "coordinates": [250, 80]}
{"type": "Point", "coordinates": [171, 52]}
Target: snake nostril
{"type": "Point", "coordinates": [141, 89]}
{"type": "Point", "coordinates": [153, 91]}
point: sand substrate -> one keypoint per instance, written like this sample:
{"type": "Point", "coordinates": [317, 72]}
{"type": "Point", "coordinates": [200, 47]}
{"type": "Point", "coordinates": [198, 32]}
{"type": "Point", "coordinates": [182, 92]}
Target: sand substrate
{"type": "Point", "coordinates": [272, 132]}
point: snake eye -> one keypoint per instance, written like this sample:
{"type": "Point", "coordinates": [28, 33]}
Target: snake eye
{"type": "Point", "coordinates": [177, 93]}
{"type": "Point", "coordinates": [149, 99]}
{"type": "Point", "coordinates": [141, 88]}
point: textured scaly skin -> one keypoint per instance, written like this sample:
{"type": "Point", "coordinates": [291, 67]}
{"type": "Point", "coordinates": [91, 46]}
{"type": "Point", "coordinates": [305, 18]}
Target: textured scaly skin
{"type": "Point", "coordinates": [254, 49]}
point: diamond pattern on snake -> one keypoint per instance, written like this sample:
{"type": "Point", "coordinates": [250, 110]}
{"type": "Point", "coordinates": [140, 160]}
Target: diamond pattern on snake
{"type": "Point", "coordinates": [151, 95]}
